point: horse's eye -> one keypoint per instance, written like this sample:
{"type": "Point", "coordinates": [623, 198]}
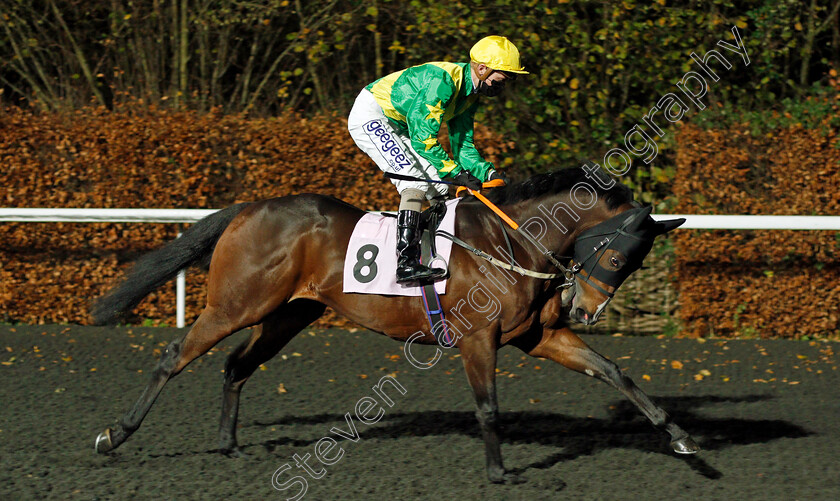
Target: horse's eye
{"type": "Point", "coordinates": [615, 262]}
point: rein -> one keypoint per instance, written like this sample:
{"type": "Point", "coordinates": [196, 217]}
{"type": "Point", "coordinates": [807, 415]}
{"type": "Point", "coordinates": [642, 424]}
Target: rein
{"type": "Point", "coordinates": [501, 264]}
{"type": "Point", "coordinates": [567, 273]}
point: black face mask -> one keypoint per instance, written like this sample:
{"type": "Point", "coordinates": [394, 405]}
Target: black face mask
{"type": "Point", "coordinates": [630, 233]}
{"type": "Point", "coordinates": [490, 90]}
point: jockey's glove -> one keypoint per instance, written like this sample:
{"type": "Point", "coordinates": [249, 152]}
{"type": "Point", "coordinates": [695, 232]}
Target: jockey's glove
{"type": "Point", "coordinates": [495, 174]}
{"type": "Point", "coordinates": [464, 178]}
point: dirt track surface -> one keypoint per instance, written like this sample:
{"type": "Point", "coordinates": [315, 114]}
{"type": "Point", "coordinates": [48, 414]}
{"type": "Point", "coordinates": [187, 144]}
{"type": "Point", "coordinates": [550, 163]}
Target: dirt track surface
{"type": "Point", "coordinates": [767, 414]}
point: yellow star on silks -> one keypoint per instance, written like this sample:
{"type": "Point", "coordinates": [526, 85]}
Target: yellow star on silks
{"type": "Point", "coordinates": [435, 111]}
{"type": "Point", "coordinates": [448, 165]}
{"type": "Point", "coordinates": [430, 143]}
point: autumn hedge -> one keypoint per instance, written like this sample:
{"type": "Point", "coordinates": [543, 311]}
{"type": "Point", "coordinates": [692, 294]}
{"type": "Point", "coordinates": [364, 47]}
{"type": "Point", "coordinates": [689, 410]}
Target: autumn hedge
{"type": "Point", "coordinates": [154, 158]}
{"type": "Point", "coordinates": [730, 283]}
{"type": "Point", "coordinates": [762, 283]}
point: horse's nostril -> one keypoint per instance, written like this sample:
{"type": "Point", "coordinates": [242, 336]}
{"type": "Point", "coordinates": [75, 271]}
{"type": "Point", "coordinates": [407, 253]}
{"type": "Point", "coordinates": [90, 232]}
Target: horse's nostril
{"type": "Point", "coordinates": [580, 313]}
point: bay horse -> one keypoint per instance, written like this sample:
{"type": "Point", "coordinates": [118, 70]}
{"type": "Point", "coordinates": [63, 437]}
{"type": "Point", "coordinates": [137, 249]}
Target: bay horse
{"type": "Point", "coordinates": [277, 264]}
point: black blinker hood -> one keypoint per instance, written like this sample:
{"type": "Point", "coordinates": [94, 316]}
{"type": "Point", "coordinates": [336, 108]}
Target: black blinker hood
{"type": "Point", "coordinates": [627, 233]}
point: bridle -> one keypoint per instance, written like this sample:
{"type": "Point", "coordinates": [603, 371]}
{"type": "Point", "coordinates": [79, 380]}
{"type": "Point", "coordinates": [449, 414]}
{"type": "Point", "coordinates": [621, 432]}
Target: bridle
{"type": "Point", "coordinates": [619, 239]}
{"type": "Point", "coordinates": [612, 230]}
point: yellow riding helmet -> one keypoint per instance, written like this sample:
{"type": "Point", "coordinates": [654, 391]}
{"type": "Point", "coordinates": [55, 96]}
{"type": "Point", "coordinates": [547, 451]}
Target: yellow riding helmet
{"type": "Point", "coordinates": [498, 53]}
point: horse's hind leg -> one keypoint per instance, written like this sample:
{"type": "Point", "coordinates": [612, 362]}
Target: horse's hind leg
{"type": "Point", "coordinates": [564, 347]}
{"type": "Point", "coordinates": [212, 326]}
{"type": "Point", "coordinates": [269, 338]}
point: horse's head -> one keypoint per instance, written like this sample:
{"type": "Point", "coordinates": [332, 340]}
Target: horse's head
{"type": "Point", "coordinates": [605, 255]}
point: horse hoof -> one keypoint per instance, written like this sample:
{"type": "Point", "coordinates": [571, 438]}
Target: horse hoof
{"type": "Point", "coordinates": [505, 477]}
{"type": "Point", "coordinates": [103, 442]}
{"type": "Point", "coordinates": [236, 452]}
{"type": "Point", "coordinates": [513, 479]}
{"type": "Point", "coordinates": [685, 445]}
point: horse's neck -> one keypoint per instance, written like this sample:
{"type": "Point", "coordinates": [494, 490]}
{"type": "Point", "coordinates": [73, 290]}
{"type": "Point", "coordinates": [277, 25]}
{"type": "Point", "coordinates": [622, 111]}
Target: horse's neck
{"type": "Point", "coordinates": [554, 221]}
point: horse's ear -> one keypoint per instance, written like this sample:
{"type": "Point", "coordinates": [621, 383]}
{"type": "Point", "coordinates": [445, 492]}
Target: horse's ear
{"type": "Point", "coordinates": [663, 227]}
{"type": "Point", "coordinates": [641, 217]}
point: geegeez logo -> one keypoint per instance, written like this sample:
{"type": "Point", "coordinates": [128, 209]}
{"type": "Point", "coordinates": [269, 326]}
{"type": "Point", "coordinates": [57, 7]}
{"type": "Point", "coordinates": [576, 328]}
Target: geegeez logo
{"type": "Point", "coordinates": [390, 148]}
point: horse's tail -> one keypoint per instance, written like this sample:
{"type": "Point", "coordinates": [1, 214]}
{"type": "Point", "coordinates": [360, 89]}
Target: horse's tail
{"type": "Point", "coordinates": [194, 246]}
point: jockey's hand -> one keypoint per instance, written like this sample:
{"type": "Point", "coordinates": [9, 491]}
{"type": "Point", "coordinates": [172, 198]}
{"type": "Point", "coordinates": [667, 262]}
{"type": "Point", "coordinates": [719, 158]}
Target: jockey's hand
{"type": "Point", "coordinates": [464, 178]}
{"type": "Point", "coordinates": [495, 174]}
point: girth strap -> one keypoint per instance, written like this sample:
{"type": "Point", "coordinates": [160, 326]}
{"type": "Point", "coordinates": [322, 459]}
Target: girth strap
{"type": "Point", "coordinates": [431, 300]}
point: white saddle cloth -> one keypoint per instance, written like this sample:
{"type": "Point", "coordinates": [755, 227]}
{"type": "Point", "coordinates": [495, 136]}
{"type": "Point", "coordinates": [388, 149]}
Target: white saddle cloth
{"type": "Point", "coordinates": [370, 265]}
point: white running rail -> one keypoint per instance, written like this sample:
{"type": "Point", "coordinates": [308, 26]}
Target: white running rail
{"type": "Point", "coordinates": [755, 222]}
{"type": "Point", "coordinates": [703, 222]}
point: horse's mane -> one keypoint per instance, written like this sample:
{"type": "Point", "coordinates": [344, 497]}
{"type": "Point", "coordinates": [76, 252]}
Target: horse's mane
{"type": "Point", "coordinates": [555, 182]}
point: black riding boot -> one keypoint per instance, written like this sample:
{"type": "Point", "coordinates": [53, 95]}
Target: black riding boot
{"type": "Point", "coordinates": [409, 268]}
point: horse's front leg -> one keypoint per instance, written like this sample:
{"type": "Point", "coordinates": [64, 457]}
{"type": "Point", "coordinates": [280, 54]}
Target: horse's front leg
{"type": "Point", "coordinates": [478, 352]}
{"type": "Point", "coordinates": [566, 348]}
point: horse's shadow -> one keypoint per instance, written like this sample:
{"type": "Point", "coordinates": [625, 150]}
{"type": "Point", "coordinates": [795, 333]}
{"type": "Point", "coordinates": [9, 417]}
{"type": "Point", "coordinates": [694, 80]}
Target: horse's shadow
{"type": "Point", "coordinates": [624, 428]}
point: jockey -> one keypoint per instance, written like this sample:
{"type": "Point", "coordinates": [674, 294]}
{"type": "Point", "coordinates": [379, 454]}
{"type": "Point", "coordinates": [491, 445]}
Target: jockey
{"type": "Point", "coordinates": [396, 120]}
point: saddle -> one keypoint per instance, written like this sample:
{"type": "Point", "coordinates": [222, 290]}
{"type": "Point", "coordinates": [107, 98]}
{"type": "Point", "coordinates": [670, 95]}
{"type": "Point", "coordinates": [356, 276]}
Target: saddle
{"type": "Point", "coordinates": [430, 220]}
{"type": "Point", "coordinates": [370, 261]}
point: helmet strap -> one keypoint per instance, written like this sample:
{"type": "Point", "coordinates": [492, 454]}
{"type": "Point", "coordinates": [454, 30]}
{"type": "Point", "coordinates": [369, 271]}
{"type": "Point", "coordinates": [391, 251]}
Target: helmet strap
{"type": "Point", "coordinates": [487, 73]}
